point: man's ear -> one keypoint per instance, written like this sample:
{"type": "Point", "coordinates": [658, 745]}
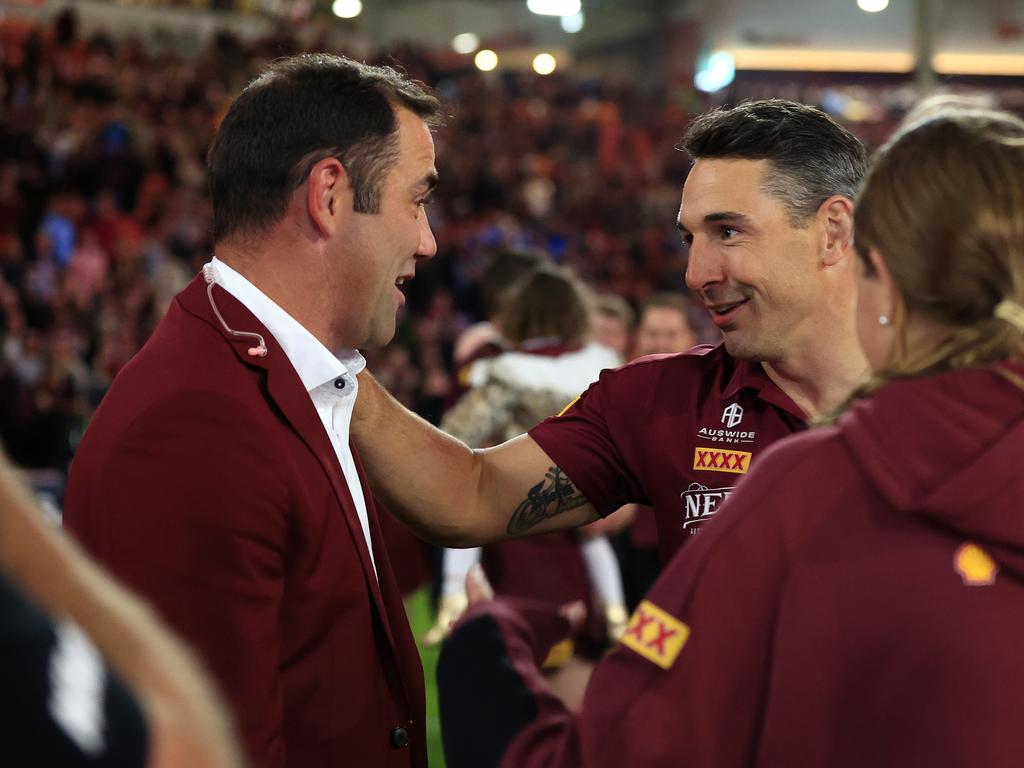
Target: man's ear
{"type": "Point", "coordinates": [328, 196]}
{"type": "Point", "coordinates": [837, 213]}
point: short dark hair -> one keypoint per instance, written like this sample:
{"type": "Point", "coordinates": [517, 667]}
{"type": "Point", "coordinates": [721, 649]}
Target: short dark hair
{"type": "Point", "coordinates": [298, 111]}
{"type": "Point", "coordinates": [812, 155]}
{"type": "Point", "coordinates": [547, 302]}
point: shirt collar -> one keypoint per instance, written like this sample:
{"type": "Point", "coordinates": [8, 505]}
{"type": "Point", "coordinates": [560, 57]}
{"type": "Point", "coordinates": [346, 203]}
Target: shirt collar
{"type": "Point", "coordinates": [315, 364]}
{"type": "Point", "coordinates": [750, 374]}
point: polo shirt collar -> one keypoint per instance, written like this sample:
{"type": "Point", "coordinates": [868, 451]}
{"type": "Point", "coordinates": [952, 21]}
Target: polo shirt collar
{"type": "Point", "coordinates": [750, 374]}
{"type": "Point", "coordinates": [313, 362]}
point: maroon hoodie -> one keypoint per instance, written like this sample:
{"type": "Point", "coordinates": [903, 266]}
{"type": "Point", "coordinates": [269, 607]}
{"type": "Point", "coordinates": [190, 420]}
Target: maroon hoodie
{"type": "Point", "coordinates": [858, 602]}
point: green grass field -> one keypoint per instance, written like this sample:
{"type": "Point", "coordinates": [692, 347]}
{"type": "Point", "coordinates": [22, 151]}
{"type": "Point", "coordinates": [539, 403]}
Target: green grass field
{"type": "Point", "coordinates": [421, 616]}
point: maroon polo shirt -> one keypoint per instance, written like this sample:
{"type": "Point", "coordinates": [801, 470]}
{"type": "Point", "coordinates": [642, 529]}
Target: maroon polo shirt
{"type": "Point", "coordinates": [675, 432]}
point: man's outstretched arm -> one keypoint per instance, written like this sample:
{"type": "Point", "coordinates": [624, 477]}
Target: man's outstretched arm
{"type": "Point", "coordinates": [451, 494]}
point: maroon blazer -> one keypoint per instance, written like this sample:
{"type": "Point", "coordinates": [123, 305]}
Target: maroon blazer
{"type": "Point", "coordinates": [206, 482]}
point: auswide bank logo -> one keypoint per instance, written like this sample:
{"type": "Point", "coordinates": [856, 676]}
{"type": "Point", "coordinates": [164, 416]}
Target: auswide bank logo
{"type": "Point", "coordinates": [732, 417]}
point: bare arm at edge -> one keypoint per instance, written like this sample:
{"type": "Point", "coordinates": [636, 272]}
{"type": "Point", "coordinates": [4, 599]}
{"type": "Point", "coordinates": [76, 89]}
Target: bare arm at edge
{"type": "Point", "coordinates": [187, 723]}
{"type": "Point", "coordinates": [451, 494]}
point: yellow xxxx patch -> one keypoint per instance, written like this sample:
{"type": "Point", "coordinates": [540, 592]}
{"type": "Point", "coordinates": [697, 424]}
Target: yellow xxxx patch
{"type": "Point", "coordinates": [655, 634]}
{"type": "Point", "coordinates": [721, 460]}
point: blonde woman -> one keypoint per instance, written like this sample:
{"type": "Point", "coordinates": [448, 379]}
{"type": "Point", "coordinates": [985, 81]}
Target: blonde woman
{"type": "Point", "coordinates": [545, 320]}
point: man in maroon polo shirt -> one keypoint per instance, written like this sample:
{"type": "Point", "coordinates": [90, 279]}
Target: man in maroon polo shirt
{"type": "Point", "coordinates": [766, 215]}
{"type": "Point", "coordinates": [858, 601]}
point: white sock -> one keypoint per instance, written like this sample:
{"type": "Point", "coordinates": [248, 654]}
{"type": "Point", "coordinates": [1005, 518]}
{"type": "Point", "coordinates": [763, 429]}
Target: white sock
{"type": "Point", "coordinates": [603, 569]}
{"type": "Point", "coordinates": [456, 564]}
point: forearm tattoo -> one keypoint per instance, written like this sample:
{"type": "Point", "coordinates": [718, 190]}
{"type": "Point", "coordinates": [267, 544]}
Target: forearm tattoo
{"type": "Point", "coordinates": [552, 496]}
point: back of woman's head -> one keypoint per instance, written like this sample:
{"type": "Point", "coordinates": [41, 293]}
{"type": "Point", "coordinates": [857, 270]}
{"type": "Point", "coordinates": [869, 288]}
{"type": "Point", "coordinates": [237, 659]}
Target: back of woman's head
{"type": "Point", "coordinates": [547, 303]}
{"type": "Point", "coordinates": [943, 204]}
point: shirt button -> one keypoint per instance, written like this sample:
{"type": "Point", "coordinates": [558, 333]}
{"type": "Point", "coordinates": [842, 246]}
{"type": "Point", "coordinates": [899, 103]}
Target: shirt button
{"type": "Point", "coordinates": [399, 737]}
{"type": "Point", "coordinates": [339, 383]}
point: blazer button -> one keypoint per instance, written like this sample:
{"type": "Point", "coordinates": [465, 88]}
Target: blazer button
{"type": "Point", "coordinates": [399, 737]}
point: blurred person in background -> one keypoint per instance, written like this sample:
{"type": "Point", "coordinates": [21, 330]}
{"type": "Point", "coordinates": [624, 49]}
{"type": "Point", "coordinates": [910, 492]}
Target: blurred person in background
{"type": "Point", "coordinates": [612, 322]}
{"type": "Point", "coordinates": [544, 322]}
{"type": "Point", "coordinates": [484, 339]}
{"type": "Point", "coordinates": [664, 329]}
{"type": "Point", "coordinates": [766, 215]}
{"type": "Point", "coordinates": [89, 675]}
{"type": "Point", "coordinates": [415, 561]}
{"type": "Point", "coordinates": [217, 477]}
{"type": "Point", "coordinates": [859, 601]}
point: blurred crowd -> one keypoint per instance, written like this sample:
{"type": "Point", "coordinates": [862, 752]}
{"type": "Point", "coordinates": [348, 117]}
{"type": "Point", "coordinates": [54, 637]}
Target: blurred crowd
{"type": "Point", "coordinates": [104, 214]}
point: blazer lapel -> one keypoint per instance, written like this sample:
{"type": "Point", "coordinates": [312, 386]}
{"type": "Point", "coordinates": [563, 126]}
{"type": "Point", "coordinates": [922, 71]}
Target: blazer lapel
{"type": "Point", "coordinates": [287, 392]}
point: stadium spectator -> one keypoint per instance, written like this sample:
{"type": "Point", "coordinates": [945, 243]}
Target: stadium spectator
{"type": "Point", "coordinates": [664, 329]}
{"type": "Point", "coordinates": [612, 322]}
{"type": "Point", "coordinates": [544, 320]}
{"type": "Point", "coordinates": [107, 138]}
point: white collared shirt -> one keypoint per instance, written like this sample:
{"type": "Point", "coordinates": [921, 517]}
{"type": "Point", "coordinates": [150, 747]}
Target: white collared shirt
{"type": "Point", "coordinates": [330, 380]}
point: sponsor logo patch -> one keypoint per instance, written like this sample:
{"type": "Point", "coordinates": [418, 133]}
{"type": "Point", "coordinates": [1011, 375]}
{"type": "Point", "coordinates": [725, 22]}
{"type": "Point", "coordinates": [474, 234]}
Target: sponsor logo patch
{"type": "Point", "coordinates": [716, 435]}
{"type": "Point", "coordinates": [655, 635]}
{"type": "Point", "coordinates": [701, 502]}
{"type": "Point", "coordinates": [975, 566]}
{"type": "Point", "coordinates": [732, 415]}
{"type": "Point", "coordinates": [721, 460]}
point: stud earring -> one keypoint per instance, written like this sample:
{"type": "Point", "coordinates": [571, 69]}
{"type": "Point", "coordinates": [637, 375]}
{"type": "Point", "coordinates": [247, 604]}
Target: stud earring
{"type": "Point", "coordinates": [883, 319]}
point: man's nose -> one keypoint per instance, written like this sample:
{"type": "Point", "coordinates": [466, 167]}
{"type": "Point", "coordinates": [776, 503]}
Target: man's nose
{"type": "Point", "coordinates": [703, 267]}
{"type": "Point", "coordinates": [428, 245]}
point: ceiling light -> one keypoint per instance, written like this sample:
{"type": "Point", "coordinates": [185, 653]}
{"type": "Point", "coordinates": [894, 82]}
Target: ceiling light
{"type": "Point", "coordinates": [347, 9]}
{"type": "Point", "coordinates": [467, 42]}
{"type": "Point", "coordinates": [544, 63]}
{"type": "Point", "coordinates": [554, 7]}
{"type": "Point", "coordinates": [573, 24]}
{"type": "Point", "coordinates": [872, 6]}
{"type": "Point", "coordinates": [718, 71]}
{"type": "Point", "coordinates": [485, 60]}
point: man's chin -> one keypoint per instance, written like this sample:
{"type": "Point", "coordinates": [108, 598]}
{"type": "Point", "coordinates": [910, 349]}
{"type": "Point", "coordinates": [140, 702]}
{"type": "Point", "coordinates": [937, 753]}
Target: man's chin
{"type": "Point", "coordinates": [740, 346]}
{"type": "Point", "coordinates": [381, 336]}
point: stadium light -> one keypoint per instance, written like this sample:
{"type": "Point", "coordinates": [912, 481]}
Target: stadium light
{"type": "Point", "coordinates": [347, 9]}
{"type": "Point", "coordinates": [872, 6]}
{"type": "Point", "coordinates": [573, 24]}
{"type": "Point", "coordinates": [467, 42]}
{"type": "Point", "coordinates": [554, 7]}
{"type": "Point", "coordinates": [544, 63]}
{"type": "Point", "coordinates": [485, 60]}
{"type": "Point", "coordinates": [718, 71]}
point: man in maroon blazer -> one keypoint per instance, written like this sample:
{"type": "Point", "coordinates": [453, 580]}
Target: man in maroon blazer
{"type": "Point", "coordinates": [217, 477]}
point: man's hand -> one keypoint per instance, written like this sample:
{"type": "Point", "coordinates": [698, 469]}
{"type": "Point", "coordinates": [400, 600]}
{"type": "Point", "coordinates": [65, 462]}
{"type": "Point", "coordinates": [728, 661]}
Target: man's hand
{"type": "Point", "coordinates": [479, 590]}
